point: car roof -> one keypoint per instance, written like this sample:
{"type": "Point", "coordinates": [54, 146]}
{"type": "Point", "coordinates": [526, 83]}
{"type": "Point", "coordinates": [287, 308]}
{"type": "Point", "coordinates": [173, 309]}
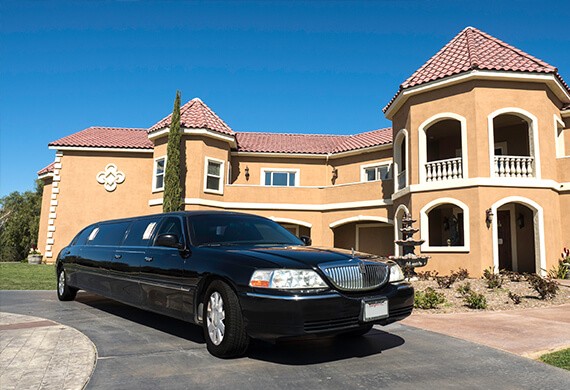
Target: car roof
{"type": "Point", "coordinates": [181, 214]}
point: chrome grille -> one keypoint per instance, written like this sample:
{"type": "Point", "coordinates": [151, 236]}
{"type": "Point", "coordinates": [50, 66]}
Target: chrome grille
{"type": "Point", "coordinates": [356, 275]}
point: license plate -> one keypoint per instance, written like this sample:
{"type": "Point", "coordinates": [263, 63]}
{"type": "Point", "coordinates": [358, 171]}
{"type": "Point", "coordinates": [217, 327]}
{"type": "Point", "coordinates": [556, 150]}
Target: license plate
{"type": "Point", "coordinates": [374, 310]}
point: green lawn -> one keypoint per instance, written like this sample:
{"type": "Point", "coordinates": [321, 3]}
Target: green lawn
{"type": "Point", "coordinates": [559, 359]}
{"type": "Point", "coordinates": [23, 276]}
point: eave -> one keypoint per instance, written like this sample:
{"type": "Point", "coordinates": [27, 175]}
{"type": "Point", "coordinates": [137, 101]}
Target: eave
{"type": "Point", "coordinates": [549, 79]}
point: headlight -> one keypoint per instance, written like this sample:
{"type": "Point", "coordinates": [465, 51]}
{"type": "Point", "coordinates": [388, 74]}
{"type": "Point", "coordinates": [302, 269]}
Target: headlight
{"type": "Point", "coordinates": [286, 279]}
{"type": "Point", "coordinates": [396, 274]}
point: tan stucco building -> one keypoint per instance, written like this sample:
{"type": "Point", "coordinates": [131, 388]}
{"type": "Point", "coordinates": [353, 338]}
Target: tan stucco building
{"type": "Point", "coordinates": [478, 153]}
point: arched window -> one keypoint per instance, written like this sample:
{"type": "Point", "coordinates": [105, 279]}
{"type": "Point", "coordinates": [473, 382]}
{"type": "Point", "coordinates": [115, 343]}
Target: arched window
{"type": "Point", "coordinates": [401, 211]}
{"type": "Point", "coordinates": [445, 226]}
{"type": "Point", "coordinates": [400, 160]}
{"type": "Point", "coordinates": [513, 144]}
{"type": "Point", "coordinates": [443, 148]}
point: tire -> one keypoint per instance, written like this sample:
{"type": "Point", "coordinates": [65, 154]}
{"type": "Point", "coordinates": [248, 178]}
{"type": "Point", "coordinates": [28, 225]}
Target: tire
{"type": "Point", "coordinates": [64, 291]}
{"type": "Point", "coordinates": [223, 325]}
{"type": "Point", "coordinates": [358, 332]}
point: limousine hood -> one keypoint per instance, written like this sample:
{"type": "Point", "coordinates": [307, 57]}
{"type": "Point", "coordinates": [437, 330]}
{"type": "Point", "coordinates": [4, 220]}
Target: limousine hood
{"type": "Point", "coordinates": [293, 256]}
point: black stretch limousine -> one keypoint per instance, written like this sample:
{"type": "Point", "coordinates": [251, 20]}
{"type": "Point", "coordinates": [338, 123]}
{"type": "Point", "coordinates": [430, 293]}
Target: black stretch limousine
{"type": "Point", "coordinates": [238, 275]}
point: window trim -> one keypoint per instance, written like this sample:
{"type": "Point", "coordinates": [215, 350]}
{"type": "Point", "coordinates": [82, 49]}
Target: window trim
{"type": "Point", "coordinates": [424, 226]}
{"type": "Point", "coordinates": [363, 168]}
{"type": "Point", "coordinates": [400, 140]}
{"type": "Point", "coordinates": [423, 141]}
{"type": "Point", "coordinates": [221, 178]}
{"type": "Point", "coordinates": [154, 174]}
{"type": "Point", "coordinates": [296, 171]}
{"type": "Point", "coordinates": [533, 142]}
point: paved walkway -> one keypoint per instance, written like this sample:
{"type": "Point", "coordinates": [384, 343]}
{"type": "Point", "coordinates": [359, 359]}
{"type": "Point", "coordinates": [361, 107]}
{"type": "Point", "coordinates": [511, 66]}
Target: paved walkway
{"type": "Point", "coordinates": [36, 353]}
{"type": "Point", "coordinates": [529, 332]}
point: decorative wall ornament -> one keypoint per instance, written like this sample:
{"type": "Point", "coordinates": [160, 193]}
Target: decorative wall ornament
{"type": "Point", "coordinates": [110, 177]}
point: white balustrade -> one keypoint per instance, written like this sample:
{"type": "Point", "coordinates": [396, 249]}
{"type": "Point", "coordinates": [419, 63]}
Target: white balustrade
{"type": "Point", "coordinates": [449, 169]}
{"type": "Point", "coordinates": [514, 166]}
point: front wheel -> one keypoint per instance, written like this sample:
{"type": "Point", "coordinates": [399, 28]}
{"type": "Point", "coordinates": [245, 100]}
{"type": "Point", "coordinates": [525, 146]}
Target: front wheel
{"type": "Point", "coordinates": [223, 322]}
{"type": "Point", "coordinates": [64, 291]}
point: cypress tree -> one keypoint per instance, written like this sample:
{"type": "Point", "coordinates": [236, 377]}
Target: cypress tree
{"type": "Point", "coordinates": [172, 187]}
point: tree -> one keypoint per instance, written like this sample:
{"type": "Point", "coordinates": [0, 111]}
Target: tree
{"type": "Point", "coordinates": [172, 187]}
{"type": "Point", "coordinates": [19, 223]}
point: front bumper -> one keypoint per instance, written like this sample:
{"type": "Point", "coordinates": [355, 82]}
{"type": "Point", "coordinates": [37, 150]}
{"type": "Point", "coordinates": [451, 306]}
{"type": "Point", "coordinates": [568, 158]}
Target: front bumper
{"type": "Point", "coordinates": [269, 316]}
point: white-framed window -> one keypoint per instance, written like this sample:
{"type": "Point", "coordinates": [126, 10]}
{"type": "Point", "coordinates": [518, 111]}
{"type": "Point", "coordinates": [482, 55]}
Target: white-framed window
{"type": "Point", "coordinates": [375, 172]}
{"type": "Point", "coordinates": [158, 174]}
{"type": "Point", "coordinates": [444, 224]}
{"type": "Point", "coordinates": [280, 177]}
{"type": "Point", "coordinates": [214, 175]}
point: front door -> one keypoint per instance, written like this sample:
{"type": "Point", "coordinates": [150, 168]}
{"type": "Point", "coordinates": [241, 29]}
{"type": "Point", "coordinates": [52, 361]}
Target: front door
{"type": "Point", "coordinates": [505, 250]}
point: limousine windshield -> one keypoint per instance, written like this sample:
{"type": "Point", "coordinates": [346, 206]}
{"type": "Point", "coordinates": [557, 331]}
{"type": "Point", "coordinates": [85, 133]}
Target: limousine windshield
{"type": "Point", "coordinates": [208, 230]}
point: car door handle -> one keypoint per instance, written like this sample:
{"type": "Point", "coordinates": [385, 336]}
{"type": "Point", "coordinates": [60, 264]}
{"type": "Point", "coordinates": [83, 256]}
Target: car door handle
{"type": "Point", "coordinates": [118, 257]}
{"type": "Point", "coordinates": [148, 259]}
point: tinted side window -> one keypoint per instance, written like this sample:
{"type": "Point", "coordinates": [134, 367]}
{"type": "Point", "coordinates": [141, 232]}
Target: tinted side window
{"type": "Point", "coordinates": [108, 234]}
{"type": "Point", "coordinates": [140, 232]}
{"type": "Point", "coordinates": [81, 237]}
{"type": "Point", "coordinates": [171, 225]}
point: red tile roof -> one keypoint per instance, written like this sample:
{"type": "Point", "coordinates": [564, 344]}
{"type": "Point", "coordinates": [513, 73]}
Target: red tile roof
{"type": "Point", "coordinates": [196, 115]}
{"type": "Point", "coordinates": [365, 140]}
{"type": "Point", "coordinates": [310, 143]}
{"type": "Point", "coordinates": [107, 137]}
{"type": "Point", "coordinates": [286, 143]}
{"type": "Point", "coordinates": [47, 169]}
{"type": "Point", "coordinates": [473, 49]}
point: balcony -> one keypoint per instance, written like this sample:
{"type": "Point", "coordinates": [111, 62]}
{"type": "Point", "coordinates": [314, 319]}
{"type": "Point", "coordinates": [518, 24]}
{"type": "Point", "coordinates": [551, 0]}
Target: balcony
{"type": "Point", "coordinates": [401, 180]}
{"type": "Point", "coordinates": [513, 166]}
{"type": "Point", "coordinates": [449, 169]}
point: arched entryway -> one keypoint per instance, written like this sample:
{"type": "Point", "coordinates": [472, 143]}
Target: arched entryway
{"type": "Point", "coordinates": [518, 236]}
{"type": "Point", "coordinates": [365, 234]}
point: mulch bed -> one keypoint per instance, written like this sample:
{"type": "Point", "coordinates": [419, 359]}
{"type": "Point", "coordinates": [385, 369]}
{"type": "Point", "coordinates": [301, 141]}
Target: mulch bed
{"type": "Point", "coordinates": [497, 299]}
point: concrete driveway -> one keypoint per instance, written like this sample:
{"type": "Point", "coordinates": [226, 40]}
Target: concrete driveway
{"type": "Point", "coordinates": [141, 350]}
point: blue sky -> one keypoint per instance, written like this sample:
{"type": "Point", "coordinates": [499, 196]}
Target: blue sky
{"type": "Point", "coordinates": [300, 67]}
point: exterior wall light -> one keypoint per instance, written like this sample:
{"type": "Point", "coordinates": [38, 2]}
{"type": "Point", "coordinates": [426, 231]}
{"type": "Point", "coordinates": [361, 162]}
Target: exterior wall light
{"type": "Point", "coordinates": [488, 217]}
{"type": "Point", "coordinates": [334, 175]}
{"type": "Point", "coordinates": [246, 173]}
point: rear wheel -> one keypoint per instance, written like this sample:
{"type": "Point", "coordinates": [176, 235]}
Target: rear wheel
{"type": "Point", "coordinates": [223, 322]}
{"type": "Point", "coordinates": [64, 291]}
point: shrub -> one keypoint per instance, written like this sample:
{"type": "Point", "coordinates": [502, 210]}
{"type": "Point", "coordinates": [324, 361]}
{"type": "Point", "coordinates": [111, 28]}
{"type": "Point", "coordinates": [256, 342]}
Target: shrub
{"type": "Point", "coordinates": [562, 270]}
{"type": "Point", "coordinates": [464, 289]}
{"type": "Point", "coordinates": [545, 287]}
{"type": "Point", "coordinates": [427, 275]}
{"type": "Point", "coordinates": [475, 300]}
{"type": "Point", "coordinates": [493, 280]}
{"type": "Point", "coordinates": [428, 299]}
{"type": "Point", "coordinates": [446, 281]}
{"type": "Point", "coordinates": [462, 274]}
{"type": "Point", "coordinates": [516, 298]}
{"type": "Point", "coordinates": [512, 276]}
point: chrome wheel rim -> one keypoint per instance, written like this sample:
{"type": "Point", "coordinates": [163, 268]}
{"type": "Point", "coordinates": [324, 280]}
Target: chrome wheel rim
{"type": "Point", "coordinates": [215, 316]}
{"type": "Point", "coordinates": [61, 283]}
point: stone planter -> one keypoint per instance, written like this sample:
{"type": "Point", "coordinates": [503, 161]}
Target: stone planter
{"type": "Point", "coordinates": [35, 259]}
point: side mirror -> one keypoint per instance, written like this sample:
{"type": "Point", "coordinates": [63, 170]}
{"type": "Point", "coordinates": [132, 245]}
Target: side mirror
{"type": "Point", "coordinates": [168, 240]}
{"type": "Point", "coordinates": [306, 240]}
